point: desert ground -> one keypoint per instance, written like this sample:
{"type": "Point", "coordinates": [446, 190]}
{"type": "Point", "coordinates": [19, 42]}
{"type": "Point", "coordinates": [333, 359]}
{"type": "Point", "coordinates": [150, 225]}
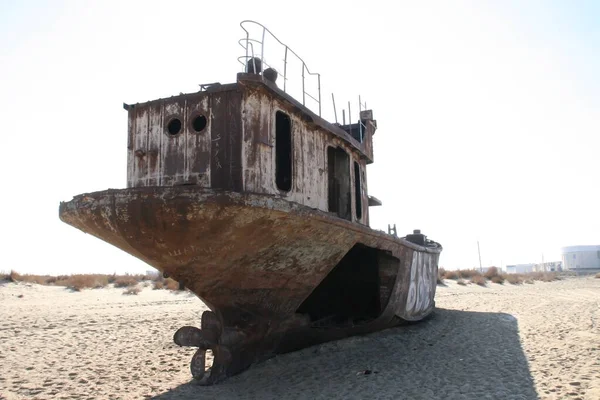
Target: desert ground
{"type": "Point", "coordinates": [529, 341]}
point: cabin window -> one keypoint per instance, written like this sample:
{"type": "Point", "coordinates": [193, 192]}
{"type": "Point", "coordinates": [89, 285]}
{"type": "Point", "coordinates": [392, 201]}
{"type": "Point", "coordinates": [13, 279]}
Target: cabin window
{"type": "Point", "coordinates": [357, 191]}
{"type": "Point", "coordinates": [338, 169]}
{"type": "Point", "coordinates": [283, 151]}
{"type": "Point", "coordinates": [199, 123]}
{"type": "Point", "coordinates": [174, 126]}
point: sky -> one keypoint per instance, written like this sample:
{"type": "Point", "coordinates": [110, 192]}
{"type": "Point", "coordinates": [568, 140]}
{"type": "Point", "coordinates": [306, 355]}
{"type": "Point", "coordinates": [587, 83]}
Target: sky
{"type": "Point", "coordinates": [488, 113]}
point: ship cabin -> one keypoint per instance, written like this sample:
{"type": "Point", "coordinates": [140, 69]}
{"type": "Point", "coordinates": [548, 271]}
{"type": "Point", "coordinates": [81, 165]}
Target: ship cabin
{"type": "Point", "coordinates": [251, 136]}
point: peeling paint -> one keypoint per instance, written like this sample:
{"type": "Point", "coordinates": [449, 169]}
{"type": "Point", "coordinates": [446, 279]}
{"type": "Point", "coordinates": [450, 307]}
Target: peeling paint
{"type": "Point", "coordinates": [203, 206]}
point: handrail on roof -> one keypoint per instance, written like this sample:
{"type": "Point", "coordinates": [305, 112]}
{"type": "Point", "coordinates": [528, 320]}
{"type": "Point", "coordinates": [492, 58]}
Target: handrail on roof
{"type": "Point", "coordinates": [247, 44]}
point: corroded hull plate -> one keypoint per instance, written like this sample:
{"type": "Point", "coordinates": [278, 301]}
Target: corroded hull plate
{"type": "Point", "coordinates": [254, 260]}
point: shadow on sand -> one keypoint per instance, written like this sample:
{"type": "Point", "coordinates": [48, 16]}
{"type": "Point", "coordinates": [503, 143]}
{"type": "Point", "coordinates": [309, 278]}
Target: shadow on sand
{"type": "Point", "coordinates": [452, 355]}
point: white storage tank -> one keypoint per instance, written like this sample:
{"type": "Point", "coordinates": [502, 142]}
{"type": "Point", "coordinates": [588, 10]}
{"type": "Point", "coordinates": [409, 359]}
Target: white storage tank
{"type": "Point", "coordinates": [577, 258]}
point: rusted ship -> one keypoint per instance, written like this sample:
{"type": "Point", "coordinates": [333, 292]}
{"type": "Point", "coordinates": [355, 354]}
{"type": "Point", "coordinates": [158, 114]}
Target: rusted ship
{"type": "Point", "coordinates": [260, 207]}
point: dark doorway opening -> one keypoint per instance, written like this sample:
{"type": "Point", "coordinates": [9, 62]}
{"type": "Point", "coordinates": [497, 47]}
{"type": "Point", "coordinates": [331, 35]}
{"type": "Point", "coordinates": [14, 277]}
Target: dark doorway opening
{"type": "Point", "coordinates": [338, 169]}
{"type": "Point", "coordinates": [283, 151]}
{"type": "Point", "coordinates": [355, 291]}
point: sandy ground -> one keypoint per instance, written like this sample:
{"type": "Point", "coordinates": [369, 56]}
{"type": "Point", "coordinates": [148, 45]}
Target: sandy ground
{"type": "Point", "coordinates": [500, 342]}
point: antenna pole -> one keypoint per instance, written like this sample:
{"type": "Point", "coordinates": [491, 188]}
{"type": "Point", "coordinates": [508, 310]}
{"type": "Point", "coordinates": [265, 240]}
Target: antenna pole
{"type": "Point", "coordinates": [343, 117]}
{"type": "Point", "coordinates": [360, 119]}
{"type": "Point", "coordinates": [479, 251]}
{"type": "Point", "coordinates": [334, 109]}
{"type": "Point", "coordinates": [349, 116]}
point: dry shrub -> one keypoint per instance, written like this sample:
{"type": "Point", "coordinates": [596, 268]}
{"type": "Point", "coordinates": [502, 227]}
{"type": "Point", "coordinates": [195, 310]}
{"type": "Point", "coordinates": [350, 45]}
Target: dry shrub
{"type": "Point", "coordinates": [549, 277]}
{"type": "Point", "coordinates": [491, 272]}
{"type": "Point", "coordinates": [440, 276]}
{"type": "Point", "coordinates": [468, 273]}
{"type": "Point", "coordinates": [498, 279]}
{"type": "Point", "coordinates": [157, 285]}
{"type": "Point", "coordinates": [125, 281]}
{"type": "Point", "coordinates": [450, 275]}
{"type": "Point", "coordinates": [479, 279]}
{"type": "Point", "coordinates": [132, 290]}
{"type": "Point", "coordinates": [543, 276]}
{"type": "Point", "coordinates": [14, 276]}
{"type": "Point", "coordinates": [529, 281]}
{"type": "Point", "coordinates": [39, 279]}
{"type": "Point", "coordinates": [597, 275]}
{"type": "Point", "coordinates": [514, 279]}
{"type": "Point", "coordinates": [84, 281]}
{"type": "Point", "coordinates": [171, 284]}
{"type": "Point", "coordinates": [461, 282]}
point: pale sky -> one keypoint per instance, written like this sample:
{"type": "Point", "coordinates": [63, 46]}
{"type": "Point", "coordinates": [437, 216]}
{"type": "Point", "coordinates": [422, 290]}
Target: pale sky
{"type": "Point", "coordinates": [488, 113]}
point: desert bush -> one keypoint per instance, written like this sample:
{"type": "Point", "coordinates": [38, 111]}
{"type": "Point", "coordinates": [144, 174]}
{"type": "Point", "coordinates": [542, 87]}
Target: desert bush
{"type": "Point", "coordinates": [39, 279]}
{"type": "Point", "coordinates": [491, 272]}
{"type": "Point", "coordinates": [498, 279]}
{"type": "Point", "coordinates": [100, 281]}
{"type": "Point", "coordinates": [550, 276]}
{"type": "Point", "coordinates": [468, 273]}
{"type": "Point", "coordinates": [83, 281]}
{"type": "Point", "coordinates": [598, 275]}
{"type": "Point", "coordinates": [450, 275]}
{"type": "Point", "coordinates": [461, 282]}
{"type": "Point", "coordinates": [125, 281]}
{"type": "Point", "coordinates": [171, 284]}
{"type": "Point", "coordinates": [440, 276]}
{"type": "Point", "coordinates": [514, 279]}
{"type": "Point", "coordinates": [479, 280]}
{"type": "Point", "coordinates": [14, 276]}
{"type": "Point", "coordinates": [544, 276]}
{"type": "Point", "coordinates": [140, 277]}
{"type": "Point", "coordinates": [529, 281]}
{"type": "Point", "coordinates": [132, 290]}
{"type": "Point", "coordinates": [157, 285]}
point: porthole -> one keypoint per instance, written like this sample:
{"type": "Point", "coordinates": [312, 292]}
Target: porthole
{"type": "Point", "coordinates": [174, 126]}
{"type": "Point", "coordinates": [199, 123]}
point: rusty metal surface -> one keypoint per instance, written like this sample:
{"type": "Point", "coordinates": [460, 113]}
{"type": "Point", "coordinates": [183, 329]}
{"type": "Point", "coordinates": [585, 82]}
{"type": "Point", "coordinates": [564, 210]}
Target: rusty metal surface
{"type": "Point", "coordinates": [235, 151]}
{"type": "Point", "coordinates": [310, 144]}
{"type": "Point", "coordinates": [252, 258]}
{"type": "Point", "coordinates": [256, 81]}
{"type": "Point", "coordinates": [203, 206]}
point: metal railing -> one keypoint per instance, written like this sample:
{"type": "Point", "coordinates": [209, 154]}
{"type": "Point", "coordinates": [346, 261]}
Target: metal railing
{"type": "Point", "coordinates": [255, 48]}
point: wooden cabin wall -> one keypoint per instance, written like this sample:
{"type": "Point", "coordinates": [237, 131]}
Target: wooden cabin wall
{"type": "Point", "coordinates": [157, 158]}
{"type": "Point", "coordinates": [309, 147]}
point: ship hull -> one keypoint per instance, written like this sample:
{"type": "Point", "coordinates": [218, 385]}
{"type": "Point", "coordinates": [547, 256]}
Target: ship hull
{"type": "Point", "coordinates": [277, 276]}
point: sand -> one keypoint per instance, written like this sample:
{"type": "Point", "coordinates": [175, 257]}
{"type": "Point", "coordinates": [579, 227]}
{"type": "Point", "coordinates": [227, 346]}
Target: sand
{"type": "Point", "coordinates": [500, 342]}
